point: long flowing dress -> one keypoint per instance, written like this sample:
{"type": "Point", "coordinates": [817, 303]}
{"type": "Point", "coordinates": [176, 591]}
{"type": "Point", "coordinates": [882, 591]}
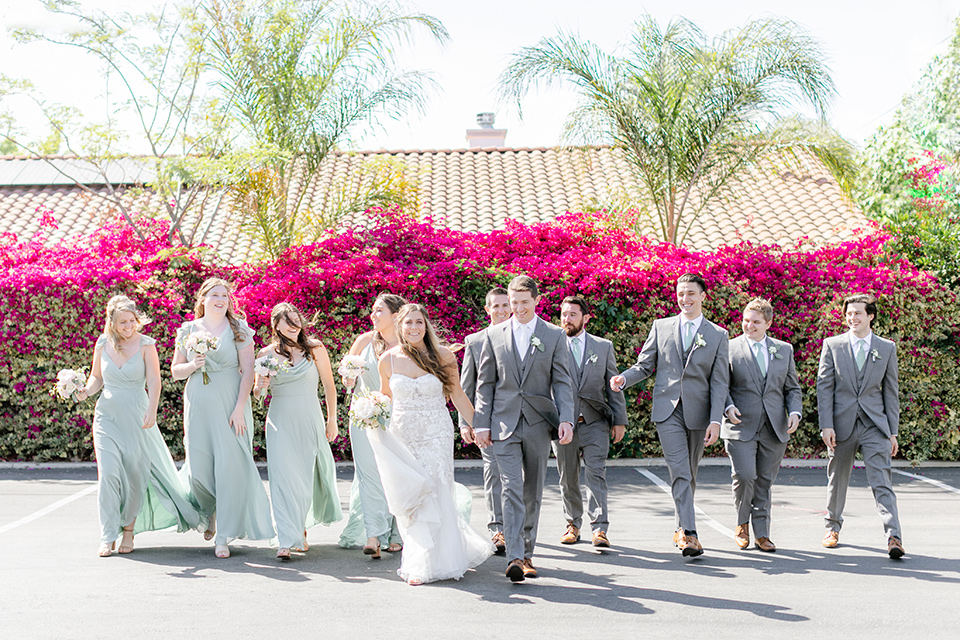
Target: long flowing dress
{"type": "Point", "coordinates": [369, 515]}
{"type": "Point", "coordinates": [303, 474]}
{"type": "Point", "coordinates": [137, 477]}
{"type": "Point", "coordinates": [219, 467]}
{"type": "Point", "coordinates": [415, 457]}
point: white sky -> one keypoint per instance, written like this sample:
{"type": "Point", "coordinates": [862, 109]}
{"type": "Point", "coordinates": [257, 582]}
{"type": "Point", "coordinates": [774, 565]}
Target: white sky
{"type": "Point", "coordinates": [876, 49]}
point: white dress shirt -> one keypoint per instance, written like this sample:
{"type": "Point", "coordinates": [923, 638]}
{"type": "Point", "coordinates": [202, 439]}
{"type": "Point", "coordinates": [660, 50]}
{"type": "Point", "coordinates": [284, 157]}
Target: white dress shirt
{"type": "Point", "coordinates": [696, 328]}
{"type": "Point", "coordinates": [522, 334]}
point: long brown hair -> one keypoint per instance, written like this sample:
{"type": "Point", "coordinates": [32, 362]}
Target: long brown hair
{"type": "Point", "coordinates": [233, 314]}
{"type": "Point", "coordinates": [305, 342]}
{"type": "Point", "coordinates": [394, 304]}
{"type": "Point", "coordinates": [429, 359]}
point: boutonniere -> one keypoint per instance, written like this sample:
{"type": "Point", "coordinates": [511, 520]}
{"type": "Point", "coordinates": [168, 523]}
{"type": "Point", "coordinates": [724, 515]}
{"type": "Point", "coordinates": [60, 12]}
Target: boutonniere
{"type": "Point", "coordinates": [592, 359]}
{"type": "Point", "coordinates": [874, 355]}
{"type": "Point", "coordinates": [699, 341]}
{"type": "Point", "coordinates": [536, 344]}
{"type": "Point", "coordinates": [775, 352]}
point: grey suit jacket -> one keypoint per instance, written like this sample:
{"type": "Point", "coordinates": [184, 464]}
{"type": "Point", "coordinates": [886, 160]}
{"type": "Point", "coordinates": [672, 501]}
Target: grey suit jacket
{"type": "Point", "coordinates": [594, 399]}
{"type": "Point", "coordinates": [775, 396]}
{"type": "Point", "coordinates": [840, 398]}
{"type": "Point", "coordinates": [700, 381]}
{"type": "Point", "coordinates": [472, 345]}
{"type": "Point", "coordinates": [540, 391]}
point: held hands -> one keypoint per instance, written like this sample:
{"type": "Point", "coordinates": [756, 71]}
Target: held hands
{"type": "Point", "coordinates": [468, 434]}
{"type": "Point", "coordinates": [713, 432]}
{"type": "Point", "coordinates": [829, 438]}
{"type": "Point", "coordinates": [793, 422]}
{"type": "Point", "coordinates": [617, 383]}
{"type": "Point", "coordinates": [483, 439]}
{"type": "Point", "coordinates": [733, 415]}
{"type": "Point", "coordinates": [238, 422]}
{"type": "Point", "coordinates": [565, 431]}
{"type": "Point", "coordinates": [617, 432]}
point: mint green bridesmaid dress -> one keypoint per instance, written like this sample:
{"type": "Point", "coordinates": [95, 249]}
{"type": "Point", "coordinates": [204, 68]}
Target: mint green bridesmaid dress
{"type": "Point", "coordinates": [369, 515]}
{"type": "Point", "coordinates": [219, 467]}
{"type": "Point", "coordinates": [136, 475]}
{"type": "Point", "coordinates": [303, 475]}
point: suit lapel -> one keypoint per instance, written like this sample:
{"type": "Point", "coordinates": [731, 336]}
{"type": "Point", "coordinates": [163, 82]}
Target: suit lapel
{"type": "Point", "coordinates": [772, 361]}
{"type": "Point", "coordinates": [588, 346]}
{"type": "Point", "coordinates": [746, 352]}
{"type": "Point", "coordinates": [868, 363]}
{"type": "Point", "coordinates": [848, 362]}
{"type": "Point", "coordinates": [510, 347]}
{"type": "Point", "coordinates": [676, 331]}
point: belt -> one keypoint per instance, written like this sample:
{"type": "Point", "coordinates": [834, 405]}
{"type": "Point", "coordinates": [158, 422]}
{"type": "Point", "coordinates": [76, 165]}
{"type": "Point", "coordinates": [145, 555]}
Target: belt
{"type": "Point", "coordinates": [581, 420]}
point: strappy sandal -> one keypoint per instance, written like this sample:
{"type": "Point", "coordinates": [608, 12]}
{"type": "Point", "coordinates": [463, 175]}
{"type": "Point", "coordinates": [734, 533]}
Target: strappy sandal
{"type": "Point", "coordinates": [394, 547]}
{"type": "Point", "coordinates": [106, 550]}
{"type": "Point", "coordinates": [283, 553]}
{"type": "Point", "coordinates": [373, 552]}
{"type": "Point", "coordinates": [125, 548]}
{"type": "Point", "coordinates": [305, 547]}
{"type": "Point", "coordinates": [414, 582]}
{"type": "Point", "coordinates": [221, 551]}
{"type": "Point", "coordinates": [211, 529]}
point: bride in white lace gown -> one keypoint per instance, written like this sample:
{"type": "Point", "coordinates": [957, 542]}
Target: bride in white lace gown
{"type": "Point", "coordinates": [415, 454]}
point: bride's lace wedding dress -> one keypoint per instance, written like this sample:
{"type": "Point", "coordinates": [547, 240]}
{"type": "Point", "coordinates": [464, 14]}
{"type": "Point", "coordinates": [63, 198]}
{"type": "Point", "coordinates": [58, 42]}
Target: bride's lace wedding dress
{"type": "Point", "coordinates": [415, 459]}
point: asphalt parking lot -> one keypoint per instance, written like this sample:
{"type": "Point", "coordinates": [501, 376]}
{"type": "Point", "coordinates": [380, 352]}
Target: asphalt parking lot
{"type": "Point", "coordinates": [54, 585]}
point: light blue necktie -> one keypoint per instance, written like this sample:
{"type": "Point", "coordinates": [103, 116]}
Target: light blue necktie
{"type": "Point", "coordinates": [861, 354]}
{"type": "Point", "coordinates": [760, 359]}
{"type": "Point", "coordinates": [575, 350]}
{"type": "Point", "coordinates": [688, 335]}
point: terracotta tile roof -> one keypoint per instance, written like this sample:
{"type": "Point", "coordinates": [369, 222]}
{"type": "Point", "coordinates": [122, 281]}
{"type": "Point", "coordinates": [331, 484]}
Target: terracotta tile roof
{"type": "Point", "coordinates": [479, 189]}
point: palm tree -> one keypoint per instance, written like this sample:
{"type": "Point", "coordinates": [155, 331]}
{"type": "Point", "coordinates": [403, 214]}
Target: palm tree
{"type": "Point", "coordinates": [301, 76]}
{"type": "Point", "coordinates": [691, 115]}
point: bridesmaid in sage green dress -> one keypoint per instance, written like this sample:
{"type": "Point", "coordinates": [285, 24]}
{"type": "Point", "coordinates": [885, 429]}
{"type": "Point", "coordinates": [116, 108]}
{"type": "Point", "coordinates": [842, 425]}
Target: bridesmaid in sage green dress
{"type": "Point", "coordinates": [139, 489]}
{"type": "Point", "coordinates": [218, 420]}
{"type": "Point", "coordinates": [370, 522]}
{"type": "Point", "coordinates": [303, 474]}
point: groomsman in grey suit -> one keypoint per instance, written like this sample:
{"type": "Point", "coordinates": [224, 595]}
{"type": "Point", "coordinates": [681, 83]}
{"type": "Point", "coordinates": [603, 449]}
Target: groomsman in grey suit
{"type": "Point", "coordinates": [524, 392]}
{"type": "Point", "coordinates": [497, 307]}
{"type": "Point", "coordinates": [596, 407]}
{"type": "Point", "coordinates": [688, 353]}
{"type": "Point", "coordinates": [858, 401]}
{"type": "Point", "coordinates": [763, 409]}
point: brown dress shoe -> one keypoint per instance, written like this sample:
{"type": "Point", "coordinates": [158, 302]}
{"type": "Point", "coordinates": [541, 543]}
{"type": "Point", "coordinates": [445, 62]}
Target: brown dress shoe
{"type": "Point", "coordinates": [742, 535]}
{"type": "Point", "coordinates": [691, 547]}
{"type": "Point", "coordinates": [529, 571]}
{"type": "Point", "coordinates": [895, 548]}
{"type": "Point", "coordinates": [678, 538]}
{"type": "Point", "coordinates": [765, 544]}
{"type": "Point", "coordinates": [831, 539]}
{"type": "Point", "coordinates": [600, 539]}
{"type": "Point", "coordinates": [499, 543]}
{"type": "Point", "coordinates": [515, 570]}
{"type": "Point", "coordinates": [571, 535]}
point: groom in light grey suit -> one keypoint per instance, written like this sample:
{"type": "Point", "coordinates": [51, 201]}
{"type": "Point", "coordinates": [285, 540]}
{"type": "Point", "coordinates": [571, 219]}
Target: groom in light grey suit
{"type": "Point", "coordinates": [858, 401]}
{"type": "Point", "coordinates": [689, 355]}
{"type": "Point", "coordinates": [763, 409]}
{"type": "Point", "coordinates": [524, 393]}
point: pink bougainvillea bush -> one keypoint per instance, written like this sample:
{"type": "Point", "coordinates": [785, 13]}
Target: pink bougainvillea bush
{"type": "Point", "coordinates": [53, 297]}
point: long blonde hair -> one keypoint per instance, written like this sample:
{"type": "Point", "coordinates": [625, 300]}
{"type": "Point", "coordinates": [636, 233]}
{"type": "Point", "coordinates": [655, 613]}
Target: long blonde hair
{"type": "Point", "coordinates": [233, 314]}
{"type": "Point", "coordinates": [115, 306]}
{"type": "Point", "coordinates": [429, 359]}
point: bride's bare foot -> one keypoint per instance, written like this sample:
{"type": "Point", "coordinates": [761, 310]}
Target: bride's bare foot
{"type": "Point", "coordinates": [106, 549]}
{"type": "Point", "coordinates": [126, 543]}
{"type": "Point", "coordinates": [414, 582]}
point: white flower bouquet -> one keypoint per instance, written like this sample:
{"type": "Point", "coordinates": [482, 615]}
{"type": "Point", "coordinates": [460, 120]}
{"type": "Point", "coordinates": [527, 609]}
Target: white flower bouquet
{"type": "Point", "coordinates": [69, 383]}
{"type": "Point", "coordinates": [352, 367]}
{"type": "Point", "coordinates": [370, 410]}
{"type": "Point", "coordinates": [269, 366]}
{"type": "Point", "coordinates": [200, 342]}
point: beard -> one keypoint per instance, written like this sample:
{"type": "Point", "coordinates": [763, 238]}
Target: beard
{"type": "Point", "coordinates": [572, 329]}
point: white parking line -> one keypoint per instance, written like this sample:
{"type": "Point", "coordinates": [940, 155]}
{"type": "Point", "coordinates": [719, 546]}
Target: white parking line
{"type": "Point", "coordinates": [935, 483]}
{"type": "Point", "coordinates": [655, 479]}
{"type": "Point", "coordinates": [56, 505]}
